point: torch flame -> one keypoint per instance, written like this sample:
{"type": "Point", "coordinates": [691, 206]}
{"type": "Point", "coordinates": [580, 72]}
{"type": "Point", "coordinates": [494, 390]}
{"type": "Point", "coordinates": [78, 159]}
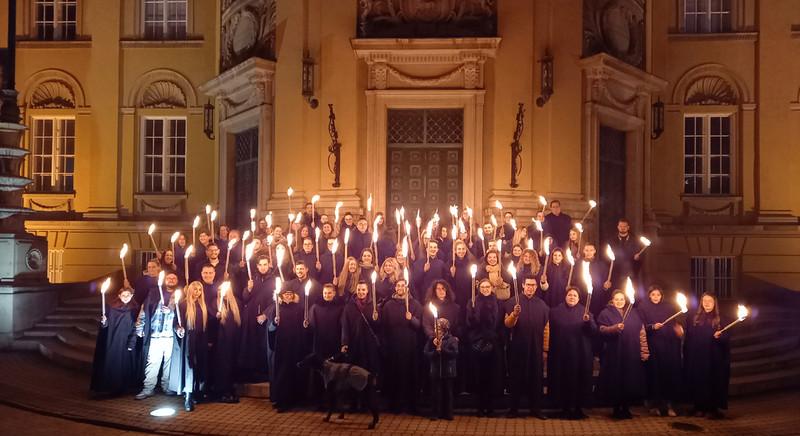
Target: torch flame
{"type": "Point", "coordinates": [433, 310]}
{"type": "Point", "coordinates": [231, 243]}
{"type": "Point", "coordinates": [151, 229]}
{"type": "Point", "coordinates": [741, 312]}
{"type": "Point", "coordinates": [405, 275]}
{"type": "Point", "coordinates": [161, 277]}
{"type": "Point", "coordinates": [480, 233]}
{"type": "Point", "coordinates": [418, 219]}
{"type": "Point", "coordinates": [346, 236]}
{"type": "Point", "coordinates": [570, 259]}
{"type": "Point", "coordinates": [610, 253]}
{"type": "Point", "coordinates": [177, 295]}
{"type": "Point", "coordinates": [630, 292]}
{"type": "Point", "coordinates": [213, 215]}
{"type": "Point", "coordinates": [592, 204]}
{"type": "Point", "coordinates": [499, 244]}
{"type": "Point", "coordinates": [473, 269]}
{"type": "Point", "coordinates": [335, 246]}
{"type": "Point", "coordinates": [408, 228]}
{"type": "Point", "coordinates": [196, 222]}
{"type": "Point", "coordinates": [512, 269]}
{"type": "Point", "coordinates": [586, 276]}
{"type": "Point", "coordinates": [252, 214]}
{"type": "Point", "coordinates": [308, 288]}
{"type": "Point", "coordinates": [513, 223]}
{"type": "Point", "coordinates": [174, 237]}
{"type": "Point", "coordinates": [538, 225]}
{"type": "Point", "coordinates": [123, 251]}
{"type": "Point", "coordinates": [493, 219]}
{"type": "Point", "coordinates": [279, 252]}
{"type": "Point", "coordinates": [374, 236]}
{"type": "Point", "coordinates": [405, 247]}
{"type": "Point", "coordinates": [646, 242]}
{"type": "Point", "coordinates": [317, 232]}
{"type": "Point", "coordinates": [248, 250]}
{"type": "Point", "coordinates": [454, 232]}
{"type": "Point", "coordinates": [530, 244]}
{"type": "Point", "coordinates": [542, 200]}
{"type": "Point", "coordinates": [246, 235]}
{"type": "Point", "coordinates": [429, 229]}
{"type": "Point", "coordinates": [374, 277]}
{"type": "Point", "coordinates": [397, 216]}
{"type": "Point", "coordinates": [270, 239]}
{"type": "Point", "coordinates": [498, 205]}
{"type": "Point", "coordinates": [682, 302]}
{"type": "Point", "coordinates": [269, 220]}
{"type": "Point", "coordinates": [469, 212]}
{"type": "Point", "coordinates": [403, 212]}
{"type": "Point", "coordinates": [547, 242]}
{"type": "Point", "coordinates": [208, 209]}
{"type": "Point", "coordinates": [224, 288]}
{"type": "Point", "coordinates": [579, 226]}
{"type": "Point", "coordinates": [454, 210]}
{"type": "Point", "coordinates": [106, 284]}
{"type": "Point", "coordinates": [290, 239]}
{"type": "Point", "coordinates": [369, 203]}
{"type": "Point", "coordinates": [290, 192]}
{"type": "Point", "coordinates": [189, 251]}
{"type": "Point", "coordinates": [298, 218]}
{"type": "Point", "coordinates": [315, 199]}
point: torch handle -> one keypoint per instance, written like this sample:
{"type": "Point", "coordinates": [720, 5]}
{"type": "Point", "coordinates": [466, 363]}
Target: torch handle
{"type": "Point", "coordinates": [124, 272]}
{"type": "Point", "coordinates": [730, 325]}
{"type": "Point", "coordinates": [153, 241]}
{"type": "Point", "coordinates": [641, 251]}
{"type": "Point", "coordinates": [672, 317]}
{"type": "Point", "coordinates": [473, 292]}
{"type": "Point", "coordinates": [569, 279]}
{"type": "Point", "coordinates": [610, 270]}
{"type": "Point", "coordinates": [588, 301]}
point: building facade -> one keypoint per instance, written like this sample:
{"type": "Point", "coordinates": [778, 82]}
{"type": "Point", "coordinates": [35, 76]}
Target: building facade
{"type": "Point", "coordinates": [680, 115]}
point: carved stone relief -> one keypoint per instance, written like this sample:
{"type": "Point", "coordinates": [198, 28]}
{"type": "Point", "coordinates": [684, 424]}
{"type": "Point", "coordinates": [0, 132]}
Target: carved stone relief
{"type": "Point", "coordinates": [53, 94]}
{"type": "Point", "coordinates": [426, 18]}
{"type": "Point", "coordinates": [711, 90]}
{"type": "Point", "coordinates": [615, 27]}
{"type": "Point", "coordinates": [248, 30]}
{"type": "Point", "coordinates": [163, 94]}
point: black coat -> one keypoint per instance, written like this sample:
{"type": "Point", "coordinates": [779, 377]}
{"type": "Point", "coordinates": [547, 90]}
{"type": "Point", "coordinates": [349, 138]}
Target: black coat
{"type": "Point", "coordinates": [557, 276]}
{"type": "Point", "coordinates": [624, 265]}
{"type": "Point", "coordinates": [598, 269]}
{"type": "Point", "coordinates": [423, 280]}
{"type": "Point", "coordinates": [621, 369]}
{"type": "Point", "coordinates": [299, 287]}
{"type": "Point", "coordinates": [253, 350]}
{"type": "Point", "coordinates": [114, 364]}
{"type": "Point", "coordinates": [557, 227]}
{"type": "Point", "coordinates": [664, 365]}
{"type": "Point", "coordinates": [326, 274]}
{"type": "Point", "coordinates": [527, 339]}
{"type": "Point", "coordinates": [462, 284]}
{"type": "Point", "coordinates": [142, 288]}
{"type": "Point", "coordinates": [325, 319]}
{"type": "Point", "coordinates": [310, 259]}
{"type": "Point", "coordinates": [384, 289]}
{"type": "Point", "coordinates": [569, 366]}
{"type": "Point", "coordinates": [448, 310]}
{"type": "Point", "coordinates": [225, 354]}
{"type": "Point", "coordinates": [360, 334]}
{"type": "Point", "coordinates": [707, 363]}
{"type": "Point", "coordinates": [189, 355]}
{"type": "Point", "coordinates": [401, 342]}
{"type": "Point", "coordinates": [442, 362]}
{"type": "Point", "coordinates": [289, 345]}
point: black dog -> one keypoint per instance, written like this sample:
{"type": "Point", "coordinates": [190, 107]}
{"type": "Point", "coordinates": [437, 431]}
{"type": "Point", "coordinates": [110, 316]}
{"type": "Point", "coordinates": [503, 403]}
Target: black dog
{"type": "Point", "coordinates": [343, 377]}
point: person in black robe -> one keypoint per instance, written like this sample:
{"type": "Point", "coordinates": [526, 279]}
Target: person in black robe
{"type": "Point", "coordinates": [114, 364]}
{"type": "Point", "coordinates": [213, 259]}
{"type": "Point", "coordinates": [442, 353]}
{"type": "Point", "coordinates": [386, 245]}
{"type": "Point", "coordinates": [366, 265]}
{"type": "Point", "coordinates": [360, 238]}
{"type": "Point", "coordinates": [326, 272]}
{"type": "Point", "coordinates": [707, 358]}
{"type": "Point", "coordinates": [360, 340]}
{"type": "Point", "coordinates": [482, 324]}
{"type": "Point", "coordinates": [199, 257]}
{"type": "Point", "coordinates": [308, 256]}
{"type": "Point", "coordinates": [211, 283]}
{"type": "Point", "coordinates": [626, 256]}
{"type": "Point", "coordinates": [601, 289]}
{"type": "Point", "coordinates": [479, 244]}
{"type": "Point", "coordinates": [401, 328]}
{"type": "Point", "coordinates": [534, 234]}
{"type": "Point", "coordinates": [664, 365]}
{"type": "Point", "coordinates": [146, 283]}
{"type": "Point", "coordinates": [557, 225]}
{"type": "Point", "coordinates": [288, 343]}
{"type": "Point", "coordinates": [461, 278]}
{"type": "Point", "coordinates": [528, 266]}
{"type": "Point", "coordinates": [325, 322]}
{"type": "Point", "coordinates": [445, 242]}
{"type": "Point", "coordinates": [298, 285]}
{"type": "Point", "coordinates": [554, 281]}
{"type": "Point", "coordinates": [442, 297]}
{"type": "Point", "coordinates": [256, 299]}
{"type": "Point", "coordinates": [569, 364]}
{"type": "Point", "coordinates": [388, 276]}
{"type": "Point", "coordinates": [527, 320]}
{"type": "Point", "coordinates": [428, 269]}
{"type": "Point", "coordinates": [507, 230]}
{"type": "Point", "coordinates": [189, 364]}
{"type": "Point", "coordinates": [625, 348]}
{"type": "Point", "coordinates": [226, 348]}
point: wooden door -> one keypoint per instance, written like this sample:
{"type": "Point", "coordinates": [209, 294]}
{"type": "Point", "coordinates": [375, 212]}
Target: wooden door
{"type": "Point", "coordinates": [612, 182]}
{"type": "Point", "coordinates": [245, 177]}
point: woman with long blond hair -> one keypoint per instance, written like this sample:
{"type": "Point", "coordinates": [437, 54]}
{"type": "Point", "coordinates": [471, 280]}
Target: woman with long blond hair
{"type": "Point", "coordinates": [227, 348]}
{"type": "Point", "coordinates": [348, 278]}
{"type": "Point", "coordinates": [189, 373]}
{"type": "Point", "coordinates": [388, 275]}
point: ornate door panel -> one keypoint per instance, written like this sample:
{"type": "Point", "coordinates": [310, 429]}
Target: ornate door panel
{"type": "Point", "coordinates": [246, 177]}
{"type": "Point", "coordinates": [612, 181]}
{"type": "Point", "coordinates": [424, 160]}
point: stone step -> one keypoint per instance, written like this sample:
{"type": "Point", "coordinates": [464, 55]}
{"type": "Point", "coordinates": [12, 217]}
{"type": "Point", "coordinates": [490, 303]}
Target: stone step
{"type": "Point", "coordinates": [58, 352]}
{"type": "Point", "coordinates": [761, 334]}
{"type": "Point", "coordinates": [86, 328]}
{"type": "Point", "coordinates": [764, 365]}
{"type": "Point", "coordinates": [758, 383]}
{"type": "Point", "coordinates": [75, 317]}
{"type": "Point", "coordinates": [69, 336]}
{"type": "Point", "coordinates": [82, 310]}
{"type": "Point", "coordinates": [83, 301]}
{"type": "Point", "coordinates": [766, 348]}
{"type": "Point", "coordinates": [254, 390]}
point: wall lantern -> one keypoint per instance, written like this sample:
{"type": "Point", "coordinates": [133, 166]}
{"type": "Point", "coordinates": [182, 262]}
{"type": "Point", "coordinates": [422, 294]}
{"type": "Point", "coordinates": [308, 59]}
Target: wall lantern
{"type": "Point", "coordinates": [546, 71]}
{"type": "Point", "coordinates": [657, 115]}
{"type": "Point", "coordinates": [308, 81]}
{"type": "Point", "coordinates": [208, 120]}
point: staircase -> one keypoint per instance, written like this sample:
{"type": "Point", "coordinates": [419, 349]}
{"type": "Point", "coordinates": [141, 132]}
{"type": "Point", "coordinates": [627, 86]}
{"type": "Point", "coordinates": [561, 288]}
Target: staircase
{"type": "Point", "coordinates": [765, 352]}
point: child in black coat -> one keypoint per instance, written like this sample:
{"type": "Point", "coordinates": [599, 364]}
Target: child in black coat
{"type": "Point", "coordinates": [442, 351]}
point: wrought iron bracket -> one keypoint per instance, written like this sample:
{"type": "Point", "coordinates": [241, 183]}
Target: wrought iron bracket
{"type": "Point", "coordinates": [334, 150]}
{"type": "Point", "coordinates": [516, 147]}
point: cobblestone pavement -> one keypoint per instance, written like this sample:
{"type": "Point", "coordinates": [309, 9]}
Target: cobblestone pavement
{"type": "Point", "coordinates": [30, 382]}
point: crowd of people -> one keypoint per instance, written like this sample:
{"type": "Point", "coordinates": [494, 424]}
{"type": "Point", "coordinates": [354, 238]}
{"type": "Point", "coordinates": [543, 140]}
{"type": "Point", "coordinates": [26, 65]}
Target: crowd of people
{"type": "Point", "coordinates": [433, 310]}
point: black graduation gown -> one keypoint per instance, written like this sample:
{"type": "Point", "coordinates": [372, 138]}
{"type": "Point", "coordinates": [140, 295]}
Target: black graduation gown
{"type": "Point", "coordinates": [462, 285]}
{"type": "Point", "coordinates": [226, 354]}
{"type": "Point", "coordinates": [424, 279]}
{"type": "Point", "coordinates": [445, 250]}
{"type": "Point", "coordinates": [384, 289]}
{"type": "Point", "coordinates": [479, 247]}
{"type": "Point", "coordinates": [114, 364]}
{"type": "Point", "coordinates": [219, 271]}
{"type": "Point", "coordinates": [189, 355]}
{"type": "Point", "coordinates": [708, 364]}
{"type": "Point", "coordinates": [525, 349]}
{"type": "Point", "coordinates": [483, 322]}
{"type": "Point", "coordinates": [569, 366]}
{"type": "Point", "coordinates": [253, 350]}
{"type": "Point", "coordinates": [598, 269]}
{"type": "Point", "coordinates": [288, 342]}
{"type": "Point", "coordinates": [664, 365]}
{"type": "Point", "coordinates": [401, 339]}
{"type": "Point", "coordinates": [325, 322]}
{"type": "Point", "coordinates": [358, 242]}
{"type": "Point", "coordinates": [448, 310]}
{"type": "Point", "coordinates": [624, 265]}
{"type": "Point", "coordinates": [387, 248]}
{"type": "Point", "coordinates": [557, 276]}
{"type": "Point", "coordinates": [211, 295]}
{"type": "Point", "coordinates": [299, 287]}
{"type": "Point", "coordinates": [326, 274]}
{"type": "Point", "coordinates": [535, 235]}
{"type": "Point", "coordinates": [142, 288]}
{"type": "Point", "coordinates": [310, 259]}
{"type": "Point", "coordinates": [621, 369]}
{"type": "Point", "coordinates": [526, 272]}
{"type": "Point", "coordinates": [360, 334]}
{"type": "Point", "coordinates": [557, 227]}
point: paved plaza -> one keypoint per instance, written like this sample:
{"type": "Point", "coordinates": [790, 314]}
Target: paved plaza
{"type": "Point", "coordinates": [40, 397]}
